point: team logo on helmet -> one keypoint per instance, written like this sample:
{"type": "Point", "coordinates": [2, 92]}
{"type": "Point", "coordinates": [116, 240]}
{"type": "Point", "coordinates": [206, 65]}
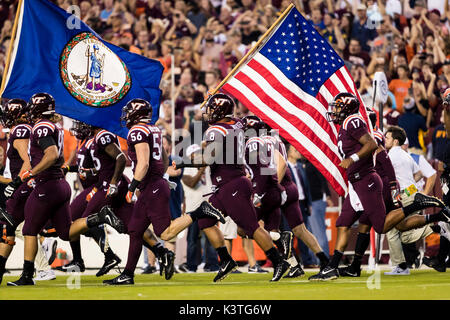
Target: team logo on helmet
{"type": "Point", "coordinates": [135, 111]}
{"type": "Point", "coordinates": [92, 73]}
{"type": "Point", "coordinates": [218, 107]}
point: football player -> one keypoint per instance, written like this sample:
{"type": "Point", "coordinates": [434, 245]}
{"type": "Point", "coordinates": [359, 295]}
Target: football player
{"type": "Point", "coordinates": [14, 117]}
{"type": "Point", "coordinates": [364, 201]}
{"type": "Point", "coordinates": [149, 163]}
{"type": "Point", "coordinates": [88, 177]}
{"type": "Point", "coordinates": [50, 197]}
{"type": "Point", "coordinates": [291, 206]}
{"type": "Point", "coordinates": [224, 152]}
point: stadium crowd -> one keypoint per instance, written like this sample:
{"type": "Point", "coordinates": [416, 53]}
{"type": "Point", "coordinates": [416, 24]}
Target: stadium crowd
{"type": "Point", "coordinates": [200, 41]}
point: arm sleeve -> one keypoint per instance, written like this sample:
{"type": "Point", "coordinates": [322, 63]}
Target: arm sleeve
{"type": "Point", "coordinates": [46, 142]}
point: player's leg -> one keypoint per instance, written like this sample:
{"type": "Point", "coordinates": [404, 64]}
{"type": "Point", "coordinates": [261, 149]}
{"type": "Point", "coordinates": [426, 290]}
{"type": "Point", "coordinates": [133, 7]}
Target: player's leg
{"type": "Point", "coordinates": [138, 225]}
{"type": "Point", "coordinates": [240, 191]}
{"type": "Point", "coordinates": [362, 243]}
{"type": "Point", "coordinates": [346, 219]}
{"type": "Point", "coordinates": [165, 256]}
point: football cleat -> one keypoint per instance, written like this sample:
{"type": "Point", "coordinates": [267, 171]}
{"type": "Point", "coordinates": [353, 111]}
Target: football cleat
{"type": "Point", "coordinates": [286, 244]}
{"type": "Point", "coordinates": [109, 264]}
{"type": "Point", "coordinates": [6, 217]}
{"type": "Point", "coordinates": [279, 270]}
{"type": "Point", "coordinates": [208, 211]}
{"type": "Point", "coordinates": [446, 215]}
{"type": "Point", "coordinates": [107, 215]}
{"type": "Point", "coordinates": [349, 271]}
{"type": "Point", "coordinates": [257, 269]}
{"type": "Point", "coordinates": [295, 272]}
{"type": "Point", "coordinates": [103, 240]}
{"type": "Point", "coordinates": [226, 267]}
{"type": "Point", "coordinates": [167, 263]}
{"type": "Point", "coordinates": [74, 266]}
{"type": "Point", "coordinates": [326, 274]}
{"type": "Point", "coordinates": [434, 263]}
{"type": "Point", "coordinates": [24, 280]}
{"type": "Point", "coordinates": [423, 201]}
{"type": "Point", "coordinates": [122, 279]}
{"type": "Point", "coordinates": [149, 270]}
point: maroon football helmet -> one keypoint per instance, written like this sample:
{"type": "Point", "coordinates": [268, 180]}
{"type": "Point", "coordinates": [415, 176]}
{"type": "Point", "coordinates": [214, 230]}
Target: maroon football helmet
{"type": "Point", "coordinates": [343, 105]}
{"type": "Point", "coordinates": [12, 112]}
{"type": "Point", "coordinates": [136, 110]}
{"type": "Point", "coordinates": [218, 106]}
{"type": "Point", "coordinates": [81, 130]}
{"type": "Point", "coordinates": [41, 105]}
{"type": "Point", "coordinates": [255, 123]}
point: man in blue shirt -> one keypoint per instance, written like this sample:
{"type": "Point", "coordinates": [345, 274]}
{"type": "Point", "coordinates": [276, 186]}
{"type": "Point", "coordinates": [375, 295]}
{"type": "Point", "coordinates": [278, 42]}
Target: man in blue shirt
{"type": "Point", "coordinates": [412, 122]}
{"type": "Point", "coordinates": [362, 29]}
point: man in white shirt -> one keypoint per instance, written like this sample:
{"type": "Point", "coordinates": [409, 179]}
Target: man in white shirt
{"type": "Point", "coordinates": [409, 176]}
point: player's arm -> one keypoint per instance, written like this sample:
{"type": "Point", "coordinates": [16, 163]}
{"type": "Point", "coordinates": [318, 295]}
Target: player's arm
{"type": "Point", "coordinates": [369, 145]}
{"type": "Point", "coordinates": [114, 151]}
{"type": "Point", "coordinates": [142, 164]}
{"type": "Point", "coordinates": [418, 175]}
{"type": "Point", "coordinates": [21, 145]}
{"type": "Point", "coordinates": [281, 165]}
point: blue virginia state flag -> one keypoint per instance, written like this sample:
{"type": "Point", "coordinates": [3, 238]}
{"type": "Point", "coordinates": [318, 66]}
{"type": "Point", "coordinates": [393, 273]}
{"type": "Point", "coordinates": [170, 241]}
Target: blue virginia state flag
{"type": "Point", "coordinates": [90, 79]}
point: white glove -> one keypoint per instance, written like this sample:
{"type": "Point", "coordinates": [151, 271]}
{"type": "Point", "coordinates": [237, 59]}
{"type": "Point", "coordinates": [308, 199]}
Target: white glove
{"type": "Point", "coordinates": [172, 185]}
{"type": "Point", "coordinates": [283, 197]}
{"type": "Point", "coordinates": [257, 200]}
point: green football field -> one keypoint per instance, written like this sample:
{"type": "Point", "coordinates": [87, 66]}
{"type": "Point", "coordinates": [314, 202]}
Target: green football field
{"type": "Point", "coordinates": [421, 284]}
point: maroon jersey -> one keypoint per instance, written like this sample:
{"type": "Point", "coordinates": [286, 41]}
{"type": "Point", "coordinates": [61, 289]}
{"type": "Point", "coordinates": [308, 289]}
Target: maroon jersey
{"type": "Point", "coordinates": [275, 143]}
{"type": "Point", "coordinates": [383, 164]}
{"type": "Point", "coordinates": [84, 161]}
{"type": "Point", "coordinates": [13, 160]}
{"type": "Point", "coordinates": [41, 131]}
{"type": "Point", "coordinates": [102, 162]}
{"type": "Point", "coordinates": [229, 136]}
{"type": "Point", "coordinates": [145, 133]}
{"type": "Point", "coordinates": [350, 132]}
{"type": "Point", "coordinates": [262, 166]}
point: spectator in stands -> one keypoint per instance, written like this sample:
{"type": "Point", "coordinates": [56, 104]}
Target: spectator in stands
{"type": "Point", "coordinates": [414, 124]}
{"type": "Point", "coordinates": [362, 30]}
{"type": "Point", "coordinates": [400, 86]}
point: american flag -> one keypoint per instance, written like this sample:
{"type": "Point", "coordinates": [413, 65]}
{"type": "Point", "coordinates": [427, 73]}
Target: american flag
{"type": "Point", "coordinates": [289, 83]}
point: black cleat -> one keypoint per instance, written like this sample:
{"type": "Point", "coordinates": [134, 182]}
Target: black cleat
{"type": "Point", "coordinates": [424, 201]}
{"type": "Point", "coordinates": [108, 265]}
{"type": "Point", "coordinates": [326, 274]}
{"type": "Point", "coordinates": [122, 279]}
{"type": "Point", "coordinates": [349, 271]}
{"type": "Point", "coordinates": [279, 270]}
{"type": "Point", "coordinates": [24, 280]}
{"type": "Point", "coordinates": [434, 263]}
{"type": "Point", "coordinates": [169, 264]}
{"type": "Point", "coordinates": [445, 213]}
{"type": "Point", "coordinates": [6, 217]}
{"type": "Point", "coordinates": [107, 215]}
{"type": "Point", "coordinates": [73, 266]}
{"type": "Point", "coordinates": [286, 243]}
{"type": "Point", "coordinates": [208, 211]}
{"type": "Point", "coordinates": [149, 270]}
{"type": "Point", "coordinates": [226, 267]}
{"type": "Point", "coordinates": [295, 272]}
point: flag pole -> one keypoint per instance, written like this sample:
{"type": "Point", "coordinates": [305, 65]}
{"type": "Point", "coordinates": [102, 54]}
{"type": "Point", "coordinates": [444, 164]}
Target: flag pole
{"type": "Point", "coordinates": [11, 44]}
{"type": "Point", "coordinates": [251, 51]}
{"type": "Point", "coordinates": [172, 99]}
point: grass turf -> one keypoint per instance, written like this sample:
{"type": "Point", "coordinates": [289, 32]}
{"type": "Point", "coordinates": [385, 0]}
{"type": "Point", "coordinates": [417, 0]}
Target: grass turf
{"type": "Point", "coordinates": [421, 284]}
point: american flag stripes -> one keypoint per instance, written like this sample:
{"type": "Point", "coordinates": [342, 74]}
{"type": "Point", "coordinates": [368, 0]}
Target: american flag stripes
{"type": "Point", "coordinates": [289, 82]}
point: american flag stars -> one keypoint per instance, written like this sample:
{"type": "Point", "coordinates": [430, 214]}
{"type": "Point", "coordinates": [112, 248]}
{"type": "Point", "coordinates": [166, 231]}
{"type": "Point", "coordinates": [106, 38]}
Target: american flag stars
{"type": "Point", "coordinates": [299, 50]}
